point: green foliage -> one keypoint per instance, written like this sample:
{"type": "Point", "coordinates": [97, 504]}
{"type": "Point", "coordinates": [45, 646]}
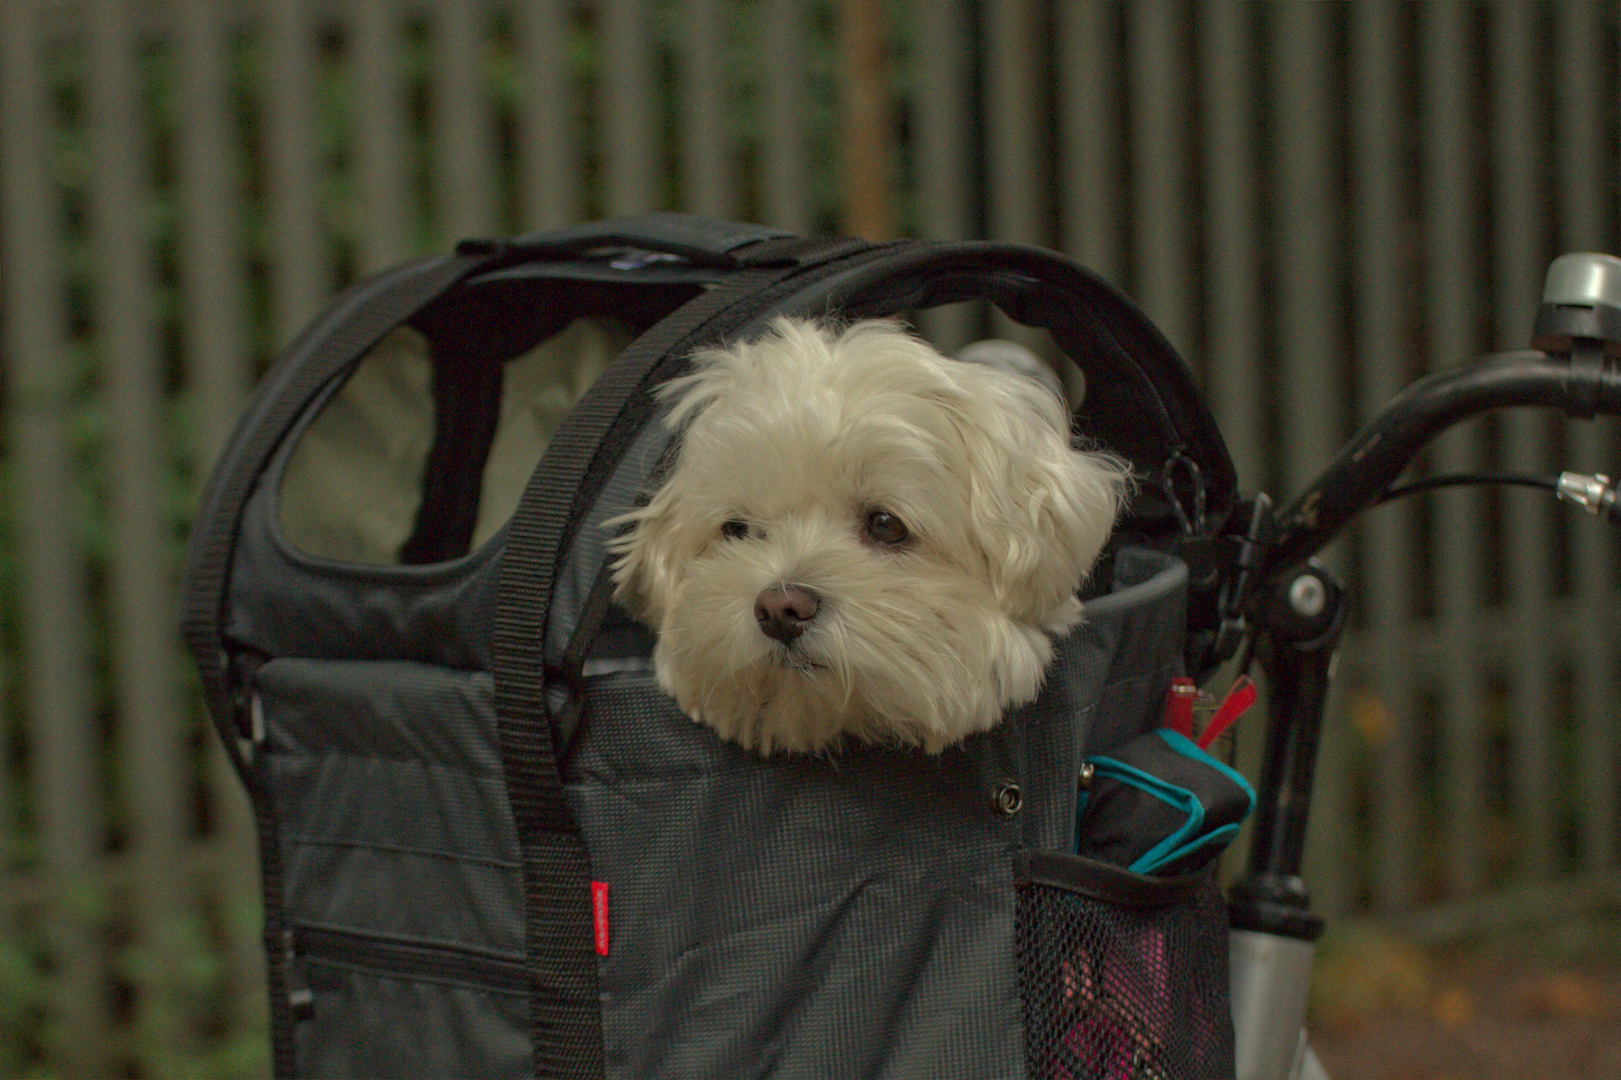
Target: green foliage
{"type": "Point", "coordinates": [23, 989]}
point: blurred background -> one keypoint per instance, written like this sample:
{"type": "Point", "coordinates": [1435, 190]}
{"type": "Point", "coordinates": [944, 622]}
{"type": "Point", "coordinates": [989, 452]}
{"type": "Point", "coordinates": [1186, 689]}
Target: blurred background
{"type": "Point", "coordinates": [1317, 202]}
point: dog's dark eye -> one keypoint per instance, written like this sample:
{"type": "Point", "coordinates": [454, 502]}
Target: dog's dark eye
{"type": "Point", "coordinates": [735, 529]}
{"type": "Point", "coordinates": [887, 529]}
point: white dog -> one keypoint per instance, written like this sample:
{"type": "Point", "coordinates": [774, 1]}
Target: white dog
{"type": "Point", "coordinates": [860, 536]}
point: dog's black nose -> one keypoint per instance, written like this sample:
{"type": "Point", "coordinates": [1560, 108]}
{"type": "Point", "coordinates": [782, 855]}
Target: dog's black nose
{"type": "Point", "coordinates": [782, 612]}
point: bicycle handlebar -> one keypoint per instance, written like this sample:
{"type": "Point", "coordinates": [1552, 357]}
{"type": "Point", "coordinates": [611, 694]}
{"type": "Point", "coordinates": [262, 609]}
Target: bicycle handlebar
{"type": "Point", "coordinates": [1581, 383]}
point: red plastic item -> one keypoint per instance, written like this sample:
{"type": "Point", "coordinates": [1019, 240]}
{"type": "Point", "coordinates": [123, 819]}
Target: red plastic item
{"type": "Point", "coordinates": [1234, 705]}
{"type": "Point", "coordinates": [1179, 705]}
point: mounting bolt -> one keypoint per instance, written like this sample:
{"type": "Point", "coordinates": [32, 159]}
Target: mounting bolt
{"type": "Point", "coordinates": [1307, 596]}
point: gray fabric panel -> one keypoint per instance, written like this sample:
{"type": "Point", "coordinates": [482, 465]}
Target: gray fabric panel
{"type": "Point", "coordinates": [396, 836]}
{"type": "Point", "coordinates": [398, 709]}
{"type": "Point", "coordinates": [588, 553]}
{"type": "Point", "coordinates": [411, 1028]}
{"type": "Point", "coordinates": [1141, 629]}
{"type": "Point", "coordinates": [381, 847]}
{"type": "Point", "coordinates": [391, 802]}
{"type": "Point", "coordinates": [842, 916]}
{"type": "Point", "coordinates": [847, 915]}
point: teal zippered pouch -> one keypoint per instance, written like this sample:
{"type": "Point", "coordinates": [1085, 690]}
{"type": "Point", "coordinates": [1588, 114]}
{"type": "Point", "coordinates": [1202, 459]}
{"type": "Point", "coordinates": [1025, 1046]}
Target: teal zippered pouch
{"type": "Point", "coordinates": [1160, 805]}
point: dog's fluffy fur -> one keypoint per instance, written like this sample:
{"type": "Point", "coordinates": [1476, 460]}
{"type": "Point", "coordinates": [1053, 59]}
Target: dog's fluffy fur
{"type": "Point", "coordinates": [933, 512]}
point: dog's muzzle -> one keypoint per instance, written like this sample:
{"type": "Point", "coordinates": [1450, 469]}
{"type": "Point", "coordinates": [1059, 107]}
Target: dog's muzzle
{"type": "Point", "coordinates": [784, 611]}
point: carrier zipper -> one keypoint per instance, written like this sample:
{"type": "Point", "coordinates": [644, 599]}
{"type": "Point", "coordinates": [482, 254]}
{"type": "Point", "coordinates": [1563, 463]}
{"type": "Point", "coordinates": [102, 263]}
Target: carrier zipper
{"type": "Point", "coordinates": [411, 959]}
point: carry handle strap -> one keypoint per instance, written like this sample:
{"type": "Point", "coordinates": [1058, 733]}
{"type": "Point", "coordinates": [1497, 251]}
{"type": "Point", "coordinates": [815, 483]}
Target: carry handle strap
{"type": "Point", "coordinates": [697, 240]}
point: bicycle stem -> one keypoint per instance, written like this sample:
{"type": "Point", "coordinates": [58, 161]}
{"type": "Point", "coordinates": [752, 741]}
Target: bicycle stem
{"type": "Point", "coordinates": [1298, 623]}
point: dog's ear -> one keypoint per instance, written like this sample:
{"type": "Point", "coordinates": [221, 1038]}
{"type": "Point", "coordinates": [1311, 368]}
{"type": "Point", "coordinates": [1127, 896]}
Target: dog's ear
{"type": "Point", "coordinates": [644, 574]}
{"type": "Point", "coordinates": [1041, 510]}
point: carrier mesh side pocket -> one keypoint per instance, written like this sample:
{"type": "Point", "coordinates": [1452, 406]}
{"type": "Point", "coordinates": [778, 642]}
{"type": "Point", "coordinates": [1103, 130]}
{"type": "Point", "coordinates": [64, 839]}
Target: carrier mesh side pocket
{"type": "Point", "coordinates": [1121, 976]}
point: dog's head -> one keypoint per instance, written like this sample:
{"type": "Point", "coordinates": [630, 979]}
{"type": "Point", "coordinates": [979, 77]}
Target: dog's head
{"type": "Point", "coordinates": [861, 536]}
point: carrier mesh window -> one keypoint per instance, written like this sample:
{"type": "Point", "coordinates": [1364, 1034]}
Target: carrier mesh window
{"type": "Point", "coordinates": [353, 487]}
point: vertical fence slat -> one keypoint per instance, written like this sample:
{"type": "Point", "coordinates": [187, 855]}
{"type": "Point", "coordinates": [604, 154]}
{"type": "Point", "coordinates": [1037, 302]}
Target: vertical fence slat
{"type": "Point", "coordinates": [628, 109]}
{"type": "Point", "coordinates": [1090, 137]}
{"type": "Point", "coordinates": [463, 151]}
{"type": "Point", "coordinates": [55, 637]}
{"type": "Point", "coordinates": [942, 110]}
{"type": "Point", "coordinates": [1161, 223]}
{"type": "Point", "coordinates": [1517, 265]}
{"type": "Point", "coordinates": [941, 107]}
{"type": "Point", "coordinates": [1378, 289]}
{"type": "Point", "coordinates": [866, 132]}
{"type": "Point", "coordinates": [299, 252]}
{"type": "Point", "coordinates": [215, 357]}
{"type": "Point", "coordinates": [1582, 186]}
{"type": "Point", "coordinates": [708, 169]}
{"type": "Point", "coordinates": [212, 281]}
{"type": "Point", "coordinates": [1012, 152]}
{"type": "Point", "coordinates": [144, 657]}
{"type": "Point", "coordinates": [383, 205]}
{"type": "Point", "coordinates": [785, 194]}
{"type": "Point", "coordinates": [1232, 346]}
{"type": "Point", "coordinates": [548, 126]}
{"type": "Point", "coordinates": [1309, 348]}
{"type": "Point", "coordinates": [1448, 180]}
{"type": "Point", "coordinates": [1014, 194]}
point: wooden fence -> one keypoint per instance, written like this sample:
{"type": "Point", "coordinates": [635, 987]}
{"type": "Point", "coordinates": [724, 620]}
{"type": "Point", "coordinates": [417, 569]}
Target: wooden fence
{"type": "Point", "coordinates": [1317, 202]}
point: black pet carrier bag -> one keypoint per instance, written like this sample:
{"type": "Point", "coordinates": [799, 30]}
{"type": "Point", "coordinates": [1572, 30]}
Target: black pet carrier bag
{"type": "Point", "coordinates": [491, 847]}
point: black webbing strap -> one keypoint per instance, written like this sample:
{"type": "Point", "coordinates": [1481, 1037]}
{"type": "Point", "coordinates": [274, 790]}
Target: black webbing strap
{"type": "Point", "coordinates": [565, 1005]}
{"type": "Point", "coordinates": [467, 410]}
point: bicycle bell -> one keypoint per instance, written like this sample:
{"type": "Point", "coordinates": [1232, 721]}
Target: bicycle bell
{"type": "Point", "coordinates": [1581, 298]}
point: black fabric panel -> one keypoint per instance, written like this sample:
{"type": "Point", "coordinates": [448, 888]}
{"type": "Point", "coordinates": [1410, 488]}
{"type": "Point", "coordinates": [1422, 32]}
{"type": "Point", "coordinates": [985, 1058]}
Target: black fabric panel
{"type": "Point", "coordinates": [284, 603]}
{"type": "Point", "coordinates": [796, 916]}
{"type": "Point", "coordinates": [393, 811]}
{"type": "Point", "coordinates": [849, 914]}
{"type": "Point", "coordinates": [1149, 610]}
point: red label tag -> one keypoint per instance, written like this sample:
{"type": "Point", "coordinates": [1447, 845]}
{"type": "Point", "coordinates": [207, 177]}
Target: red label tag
{"type": "Point", "coordinates": [599, 915]}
